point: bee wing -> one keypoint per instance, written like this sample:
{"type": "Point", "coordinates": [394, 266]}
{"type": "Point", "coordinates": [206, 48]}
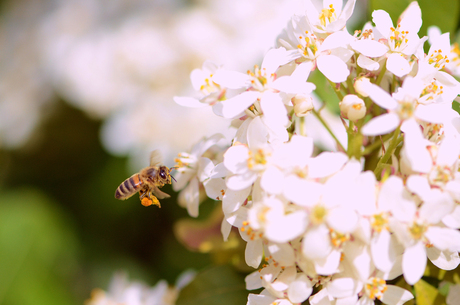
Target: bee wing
{"type": "Point", "coordinates": [156, 158]}
{"type": "Point", "coordinates": [159, 194]}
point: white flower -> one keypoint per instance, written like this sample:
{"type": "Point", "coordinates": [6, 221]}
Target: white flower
{"type": "Point", "coordinates": [122, 291]}
{"type": "Point", "coordinates": [329, 55]}
{"type": "Point", "coordinates": [203, 82]}
{"type": "Point", "coordinates": [194, 169]}
{"type": "Point", "coordinates": [331, 18]}
{"type": "Point", "coordinates": [403, 108]}
{"type": "Point", "coordinates": [402, 41]}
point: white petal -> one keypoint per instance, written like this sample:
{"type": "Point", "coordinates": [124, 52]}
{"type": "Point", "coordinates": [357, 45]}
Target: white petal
{"type": "Point", "coordinates": [336, 40]}
{"type": "Point", "coordinates": [383, 252]}
{"type": "Point", "coordinates": [259, 299]}
{"type": "Point", "coordinates": [235, 106]}
{"type": "Point", "coordinates": [333, 68]}
{"type": "Point", "coordinates": [382, 22]}
{"type": "Point", "coordinates": [437, 205]}
{"type": "Point", "coordinates": [444, 238]}
{"type": "Point", "coordinates": [395, 295]}
{"type": "Point", "coordinates": [188, 102]}
{"type": "Point", "coordinates": [283, 280]}
{"type": "Point", "coordinates": [295, 190]}
{"type": "Point", "coordinates": [380, 96]}
{"type": "Point", "coordinates": [235, 159]}
{"type": "Point", "coordinates": [398, 65]}
{"type": "Point", "coordinates": [233, 200]}
{"type": "Point", "coordinates": [271, 180]}
{"type": "Point", "coordinates": [453, 219]}
{"type": "Point", "coordinates": [275, 58]}
{"type": "Point", "coordinates": [253, 281]}
{"type": "Point", "coordinates": [443, 259]}
{"type": "Point", "coordinates": [300, 289]}
{"type": "Point", "coordinates": [282, 253]}
{"type": "Point", "coordinates": [381, 124]}
{"type": "Point", "coordinates": [342, 287]}
{"type": "Point", "coordinates": [257, 133]}
{"type": "Point", "coordinates": [253, 253]}
{"type": "Point", "coordinates": [328, 265]}
{"type": "Point", "coordinates": [316, 243]}
{"type": "Point", "coordinates": [214, 188]}
{"type": "Point", "coordinates": [191, 196]}
{"type": "Point", "coordinates": [275, 112]}
{"type": "Point", "coordinates": [369, 48]}
{"type": "Point", "coordinates": [287, 228]}
{"type": "Point", "coordinates": [325, 164]}
{"type": "Point", "coordinates": [414, 263]}
{"type": "Point", "coordinates": [367, 63]}
{"type": "Point", "coordinates": [343, 220]}
{"type": "Point", "coordinates": [231, 79]}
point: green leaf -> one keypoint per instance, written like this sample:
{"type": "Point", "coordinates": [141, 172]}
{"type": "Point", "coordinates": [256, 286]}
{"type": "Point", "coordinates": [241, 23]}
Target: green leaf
{"type": "Point", "coordinates": [427, 294]}
{"type": "Point", "coordinates": [216, 285]}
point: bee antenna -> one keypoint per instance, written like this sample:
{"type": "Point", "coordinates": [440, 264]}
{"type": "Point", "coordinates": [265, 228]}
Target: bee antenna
{"type": "Point", "coordinates": [173, 178]}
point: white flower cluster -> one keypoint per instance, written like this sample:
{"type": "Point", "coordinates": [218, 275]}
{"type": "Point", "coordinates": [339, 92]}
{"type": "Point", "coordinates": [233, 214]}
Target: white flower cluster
{"type": "Point", "coordinates": [347, 221]}
{"type": "Point", "coordinates": [124, 292]}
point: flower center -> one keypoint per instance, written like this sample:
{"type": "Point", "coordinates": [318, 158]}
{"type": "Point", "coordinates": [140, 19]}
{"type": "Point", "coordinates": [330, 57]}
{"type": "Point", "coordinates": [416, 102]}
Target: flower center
{"type": "Point", "coordinates": [209, 86]}
{"type": "Point", "coordinates": [405, 109]}
{"type": "Point", "coordinates": [417, 231]}
{"type": "Point", "coordinates": [437, 60]}
{"type": "Point", "coordinates": [318, 214]}
{"type": "Point", "coordinates": [398, 40]}
{"type": "Point", "coordinates": [257, 159]}
{"type": "Point", "coordinates": [375, 287]}
{"type": "Point", "coordinates": [337, 239]}
{"type": "Point", "coordinates": [379, 222]}
{"type": "Point", "coordinates": [260, 78]}
{"type": "Point", "coordinates": [308, 45]}
{"type": "Point", "coordinates": [327, 15]}
{"type": "Point", "coordinates": [440, 175]}
{"type": "Point", "coordinates": [430, 92]}
{"type": "Point", "coordinates": [456, 51]}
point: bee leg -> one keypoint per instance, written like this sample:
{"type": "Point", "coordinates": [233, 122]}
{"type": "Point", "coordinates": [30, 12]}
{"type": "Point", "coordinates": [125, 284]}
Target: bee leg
{"type": "Point", "coordinates": [154, 200]}
{"type": "Point", "coordinates": [145, 201]}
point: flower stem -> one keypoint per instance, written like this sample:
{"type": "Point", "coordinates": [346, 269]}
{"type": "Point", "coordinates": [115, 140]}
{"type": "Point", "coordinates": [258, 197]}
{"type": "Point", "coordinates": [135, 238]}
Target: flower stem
{"type": "Point", "coordinates": [376, 144]}
{"type": "Point", "coordinates": [391, 148]}
{"type": "Point", "coordinates": [318, 116]}
{"type": "Point", "coordinates": [382, 73]}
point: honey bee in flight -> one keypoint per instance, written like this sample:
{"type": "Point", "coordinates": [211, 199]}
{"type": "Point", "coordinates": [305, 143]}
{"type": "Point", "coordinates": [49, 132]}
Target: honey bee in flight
{"type": "Point", "coordinates": [147, 182]}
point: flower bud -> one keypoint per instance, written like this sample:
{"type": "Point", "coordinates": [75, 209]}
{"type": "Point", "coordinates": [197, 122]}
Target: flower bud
{"type": "Point", "coordinates": [352, 107]}
{"type": "Point", "coordinates": [360, 86]}
{"type": "Point", "coordinates": [303, 104]}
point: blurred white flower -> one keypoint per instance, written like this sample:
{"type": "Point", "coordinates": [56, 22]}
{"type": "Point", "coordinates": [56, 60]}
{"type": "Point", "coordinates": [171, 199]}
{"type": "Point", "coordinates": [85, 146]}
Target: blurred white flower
{"type": "Point", "coordinates": [123, 291]}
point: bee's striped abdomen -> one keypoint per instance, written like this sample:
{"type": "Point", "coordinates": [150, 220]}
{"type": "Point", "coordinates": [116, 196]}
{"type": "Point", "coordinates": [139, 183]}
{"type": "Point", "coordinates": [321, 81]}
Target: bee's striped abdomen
{"type": "Point", "coordinates": [129, 187]}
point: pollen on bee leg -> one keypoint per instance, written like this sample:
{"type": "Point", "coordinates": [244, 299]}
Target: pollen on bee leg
{"type": "Point", "coordinates": [146, 202]}
{"type": "Point", "coordinates": [155, 201]}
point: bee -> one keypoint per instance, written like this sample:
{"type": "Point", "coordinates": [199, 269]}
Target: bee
{"type": "Point", "coordinates": [147, 182]}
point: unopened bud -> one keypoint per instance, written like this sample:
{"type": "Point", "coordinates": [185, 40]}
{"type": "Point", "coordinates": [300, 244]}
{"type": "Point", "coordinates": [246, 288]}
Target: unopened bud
{"type": "Point", "coordinates": [303, 104]}
{"type": "Point", "coordinates": [352, 107]}
{"type": "Point", "coordinates": [361, 84]}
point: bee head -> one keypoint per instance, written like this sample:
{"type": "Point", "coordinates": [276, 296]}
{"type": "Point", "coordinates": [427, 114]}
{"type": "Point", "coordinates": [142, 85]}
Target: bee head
{"type": "Point", "coordinates": [164, 175]}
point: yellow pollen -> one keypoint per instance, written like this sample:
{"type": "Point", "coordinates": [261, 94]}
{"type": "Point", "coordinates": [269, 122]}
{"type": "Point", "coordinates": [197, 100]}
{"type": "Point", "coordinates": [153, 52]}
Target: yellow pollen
{"type": "Point", "coordinates": [357, 106]}
{"type": "Point", "coordinates": [318, 214]}
{"type": "Point", "coordinates": [417, 231]}
{"type": "Point", "coordinates": [375, 288]}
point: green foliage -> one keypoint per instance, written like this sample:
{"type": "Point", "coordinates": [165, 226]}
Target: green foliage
{"type": "Point", "coordinates": [216, 285]}
{"type": "Point", "coordinates": [37, 250]}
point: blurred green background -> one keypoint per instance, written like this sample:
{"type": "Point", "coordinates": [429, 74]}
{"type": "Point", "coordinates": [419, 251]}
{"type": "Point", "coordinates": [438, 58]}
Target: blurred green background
{"type": "Point", "coordinates": [62, 233]}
